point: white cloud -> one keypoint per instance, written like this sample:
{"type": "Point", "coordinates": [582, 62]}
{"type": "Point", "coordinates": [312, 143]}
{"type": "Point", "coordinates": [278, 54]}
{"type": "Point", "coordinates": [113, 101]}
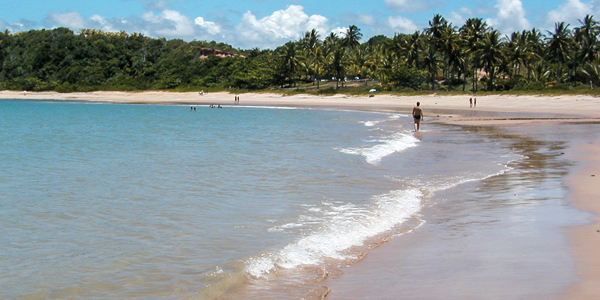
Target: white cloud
{"type": "Point", "coordinates": [366, 19]}
{"type": "Point", "coordinates": [457, 18]}
{"type": "Point", "coordinates": [18, 26]}
{"type": "Point", "coordinates": [279, 27]}
{"type": "Point", "coordinates": [569, 12]}
{"type": "Point", "coordinates": [401, 25]}
{"type": "Point", "coordinates": [172, 23]}
{"type": "Point", "coordinates": [510, 17]}
{"type": "Point", "coordinates": [71, 20]}
{"type": "Point", "coordinates": [340, 31]}
{"type": "Point", "coordinates": [211, 27]}
{"type": "Point", "coordinates": [103, 23]}
{"type": "Point", "coordinates": [317, 22]}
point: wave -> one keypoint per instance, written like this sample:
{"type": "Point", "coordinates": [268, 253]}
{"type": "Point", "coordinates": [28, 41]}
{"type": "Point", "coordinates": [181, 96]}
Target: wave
{"type": "Point", "coordinates": [344, 226]}
{"type": "Point", "coordinates": [396, 142]}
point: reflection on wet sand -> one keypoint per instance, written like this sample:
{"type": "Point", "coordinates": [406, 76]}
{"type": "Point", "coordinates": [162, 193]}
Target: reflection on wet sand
{"type": "Point", "coordinates": [482, 237]}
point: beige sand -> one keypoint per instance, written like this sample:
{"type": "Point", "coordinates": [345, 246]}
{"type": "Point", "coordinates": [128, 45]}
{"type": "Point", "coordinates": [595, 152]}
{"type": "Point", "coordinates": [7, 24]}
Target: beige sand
{"type": "Point", "coordinates": [586, 239]}
{"type": "Point", "coordinates": [578, 106]}
{"type": "Point", "coordinates": [490, 110]}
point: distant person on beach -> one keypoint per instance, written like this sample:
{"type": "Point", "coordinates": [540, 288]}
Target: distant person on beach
{"type": "Point", "coordinates": [470, 102]}
{"type": "Point", "coordinates": [475, 102]}
{"type": "Point", "coordinates": [417, 114]}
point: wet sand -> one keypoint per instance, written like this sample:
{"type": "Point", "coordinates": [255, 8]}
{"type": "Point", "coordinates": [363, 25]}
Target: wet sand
{"type": "Point", "coordinates": [502, 238]}
{"type": "Point", "coordinates": [586, 239]}
{"type": "Point", "coordinates": [574, 116]}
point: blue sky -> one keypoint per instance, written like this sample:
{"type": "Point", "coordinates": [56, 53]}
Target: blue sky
{"type": "Point", "coordinates": [265, 24]}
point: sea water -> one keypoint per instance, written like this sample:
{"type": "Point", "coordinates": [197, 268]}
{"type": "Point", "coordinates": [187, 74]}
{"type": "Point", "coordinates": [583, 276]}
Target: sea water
{"type": "Point", "coordinates": [119, 201]}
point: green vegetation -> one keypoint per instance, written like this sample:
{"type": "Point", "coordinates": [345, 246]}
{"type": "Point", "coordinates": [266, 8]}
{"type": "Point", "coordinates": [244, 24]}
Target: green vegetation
{"type": "Point", "coordinates": [441, 58]}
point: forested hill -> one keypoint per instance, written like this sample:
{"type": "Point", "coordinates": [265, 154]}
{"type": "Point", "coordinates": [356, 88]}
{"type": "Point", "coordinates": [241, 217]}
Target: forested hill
{"type": "Point", "coordinates": [60, 60]}
{"type": "Point", "coordinates": [443, 56]}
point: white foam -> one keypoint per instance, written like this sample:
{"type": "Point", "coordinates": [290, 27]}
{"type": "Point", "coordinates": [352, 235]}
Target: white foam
{"type": "Point", "coordinates": [344, 226]}
{"type": "Point", "coordinates": [271, 107]}
{"type": "Point", "coordinates": [397, 142]}
{"type": "Point", "coordinates": [391, 117]}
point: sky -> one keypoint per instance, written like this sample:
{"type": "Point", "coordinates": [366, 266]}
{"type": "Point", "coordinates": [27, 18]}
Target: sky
{"type": "Point", "coordinates": [267, 24]}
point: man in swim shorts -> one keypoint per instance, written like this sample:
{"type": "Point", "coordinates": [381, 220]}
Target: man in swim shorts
{"type": "Point", "coordinates": [417, 116]}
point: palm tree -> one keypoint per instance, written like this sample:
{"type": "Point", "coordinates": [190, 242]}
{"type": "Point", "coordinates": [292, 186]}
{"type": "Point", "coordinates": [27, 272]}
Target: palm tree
{"type": "Point", "coordinates": [337, 64]}
{"type": "Point", "coordinates": [473, 32]}
{"type": "Point", "coordinates": [517, 54]}
{"type": "Point", "coordinates": [290, 61]}
{"type": "Point", "coordinates": [586, 37]}
{"type": "Point", "coordinates": [414, 50]}
{"type": "Point", "coordinates": [310, 40]}
{"type": "Point", "coordinates": [491, 55]}
{"type": "Point", "coordinates": [450, 44]}
{"type": "Point", "coordinates": [592, 70]}
{"type": "Point", "coordinates": [309, 44]}
{"type": "Point", "coordinates": [396, 46]}
{"type": "Point", "coordinates": [359, 61]}
{"type": "Point", "coordinates": [352, 38]}
{"type": "Point", "coordinates": [587, 41]}
{"type": "Point", "coordinates": [318, 63]}
{"type": "Point", "coordinates": [560, 44]}
{"type": "Point", "coordinates": [533, 40]}
{"type": "Point", "coordinates": [330, 43]}
{"type": "Point", "coordinates": [540, 72]}
{"type": "Point", "coordinates": [430, 61]}
{"type": "Point", "coordinates": [435, 31]}
{"type": "Point", "coordinates": [386, 62]}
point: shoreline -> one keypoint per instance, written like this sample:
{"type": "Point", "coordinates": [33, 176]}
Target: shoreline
{"type": "Point", "coordinates": [495, 110]}
{"type": "Point", "coordinates": [522, 107]}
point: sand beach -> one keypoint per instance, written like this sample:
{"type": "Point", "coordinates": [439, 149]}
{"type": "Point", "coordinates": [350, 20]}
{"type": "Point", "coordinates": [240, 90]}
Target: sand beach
{"type": "Point", "coordinates": [515, 114]}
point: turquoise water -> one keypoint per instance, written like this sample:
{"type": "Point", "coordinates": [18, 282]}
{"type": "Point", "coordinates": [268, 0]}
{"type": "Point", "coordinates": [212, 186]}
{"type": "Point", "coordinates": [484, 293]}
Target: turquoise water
{"type": "Point", "coordinates": [102, 200]}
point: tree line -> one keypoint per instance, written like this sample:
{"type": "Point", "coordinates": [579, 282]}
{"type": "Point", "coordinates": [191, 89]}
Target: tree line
{"type": "Point", "coordinates": [471, 57]}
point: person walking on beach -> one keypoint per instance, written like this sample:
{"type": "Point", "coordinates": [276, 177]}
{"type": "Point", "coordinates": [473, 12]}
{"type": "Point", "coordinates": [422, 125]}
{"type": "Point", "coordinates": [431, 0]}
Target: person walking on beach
{"type": "Point", "coordinates": [475, 102]}
{"type": "Point", "coordinates": [417, 114]}
{"type": "Point", "coordinates": [470, 102]}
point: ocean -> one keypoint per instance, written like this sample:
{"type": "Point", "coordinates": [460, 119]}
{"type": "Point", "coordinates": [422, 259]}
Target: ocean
{"type": "Point", "coordinates": [122, 201]}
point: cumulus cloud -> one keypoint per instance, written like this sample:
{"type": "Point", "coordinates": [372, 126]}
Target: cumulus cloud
{"type": "Point", "coordinates": [251, 31]}
{"type": "Point", "coordinates": [317, 22]}
{"type": "Point", "coordinates": [18, 26]}
{"type": "Point", "coordinates": [458, 18]}
{"type": "Point", "coordinates": [172, 23]}
{"type": "Point", "coordinates": [510, 17]}
{"type": "Point", "coordinates": [401, 25]}
{"type": "Point", "coordinates": [570, 12]}
{"type": "Point", "coordinates": [339, 31]}
{"type": "Point", "coordinates": [279, 27]}
{"type": "Point", "coordinates": [366, 19]}
{"type": "Point", "coordinates": [71, 20]}
{"type": "Point", "coordinates": [102, 23]}
{"type": "Point", "coordinates": [210, 27]}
